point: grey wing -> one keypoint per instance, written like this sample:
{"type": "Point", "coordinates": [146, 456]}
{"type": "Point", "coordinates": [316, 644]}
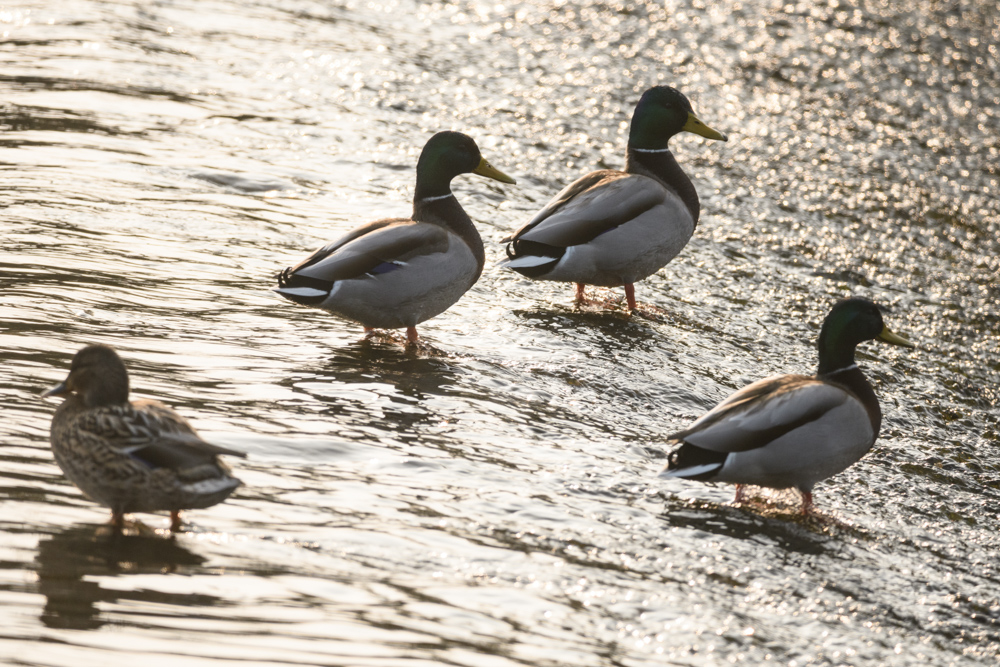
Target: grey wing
{"type": "Point", "coordinates": [378, 250]}
{"type": "Point", "coordinates": [594, 204]}
{"type": "Point", "coordinates": [762, 412]}
{"type": "Point", "coordinates": [355, 233]}
{"type": "Point", "coordinates": [581, 184]}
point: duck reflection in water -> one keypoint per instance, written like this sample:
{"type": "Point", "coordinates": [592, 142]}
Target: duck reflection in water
{"type": "Point", "coordinates": [367, 381]}
{"type": "Point", "coordinates": [71, 565]}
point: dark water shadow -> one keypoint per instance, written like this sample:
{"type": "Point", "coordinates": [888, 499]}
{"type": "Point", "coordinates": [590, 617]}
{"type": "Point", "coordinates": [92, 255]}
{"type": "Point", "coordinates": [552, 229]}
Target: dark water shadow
{"type": "Point", "coordinates": [607, 329]}
{"type": "Point", "coordinates": [414, 372]}
{"type": "Point", "coordinates": [376, 389]}
{"type": "Point", "coordinates": [26, 118]}
{"type": "Point", "coordinates": [383, 357]}
{"type": "Point", "coordinates": [68, 562]}
{"type": "Point", "coordinates": [51, 83]}
{"type": "Point", "coordinates": [786, 530]}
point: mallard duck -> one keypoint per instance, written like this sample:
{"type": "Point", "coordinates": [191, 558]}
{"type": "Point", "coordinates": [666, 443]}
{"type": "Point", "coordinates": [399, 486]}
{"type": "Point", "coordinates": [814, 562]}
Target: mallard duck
{"type": "Point", "coordinates": [792, 431]}
{"type": "Point", "coordinates": [614, 228]}
{"type": "Point", "coordinates": [398, 272]}
{"type": "Point", "coordinates": [137, 456]}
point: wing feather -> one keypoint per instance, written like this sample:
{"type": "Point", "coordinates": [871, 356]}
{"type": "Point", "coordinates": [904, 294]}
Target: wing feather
{"type": "Point", "coordinates": [151, 432]}
{"type": "Point", "coordinates": [394, 242]}
{"type": "Point", "coordinates": [763, 412]}
{"type": "Point", "coordinates": [591, 206]}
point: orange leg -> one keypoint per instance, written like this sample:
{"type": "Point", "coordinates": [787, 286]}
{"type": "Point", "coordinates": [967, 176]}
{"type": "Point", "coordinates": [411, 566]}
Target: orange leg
{"type": "Point", "coordinates": [630, 295]}
{"type": "Point", "coordinates": [807, 503]}
{"type": "Point", "coordinates": [411, 334]}
{"type": "Point", "coordinates": [117, 521]}
{"type": "Point", "coordinates": [175, 521]}
{"type": "Point", "coordinates": [583, 300]}
{"type": "Point", "coordinates": [741, 494]}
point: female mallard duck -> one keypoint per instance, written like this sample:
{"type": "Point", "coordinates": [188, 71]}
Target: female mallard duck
{"type": "Point", "coordinates": [792, 430]}
{"type": "Point", "coordinates": [137, 456]}
{"type": "Point", "coordinates": [614, 228]}
{"type": "Point", "coordinates": [398, 272]}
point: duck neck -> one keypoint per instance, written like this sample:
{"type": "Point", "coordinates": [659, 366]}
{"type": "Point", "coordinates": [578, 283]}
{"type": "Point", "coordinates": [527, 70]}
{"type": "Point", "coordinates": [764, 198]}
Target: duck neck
{"type": "Point", "coordinates": [69, 409]}
{"type": "Point", "coordinates": [430, 184]}
{"type": "Point", "coordinates": [444, 210]}
{"type": "Point", "coordinates": [660, 164]}
{"type": "Point", "coordinates": [854, 380]}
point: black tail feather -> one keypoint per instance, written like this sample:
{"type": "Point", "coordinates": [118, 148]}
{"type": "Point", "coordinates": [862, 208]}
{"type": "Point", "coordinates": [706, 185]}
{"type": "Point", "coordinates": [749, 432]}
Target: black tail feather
{"type": "Point", "coordinates": [689, 456]}
{"type": "Point", "coordinates": [520, 248]}
{"type": "Point", "coordinates": [288, 278]}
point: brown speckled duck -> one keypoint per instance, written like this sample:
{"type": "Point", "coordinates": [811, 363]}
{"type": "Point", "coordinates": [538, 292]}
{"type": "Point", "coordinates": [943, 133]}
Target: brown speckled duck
{"type": "Point", "coordinates": [131, 456]}
{"type": "Point", "coordinates": [792, 431]}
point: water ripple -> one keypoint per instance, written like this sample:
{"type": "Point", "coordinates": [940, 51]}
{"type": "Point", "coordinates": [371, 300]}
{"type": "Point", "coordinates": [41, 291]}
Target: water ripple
{"type": "Point", "coordinates": [493, 500]}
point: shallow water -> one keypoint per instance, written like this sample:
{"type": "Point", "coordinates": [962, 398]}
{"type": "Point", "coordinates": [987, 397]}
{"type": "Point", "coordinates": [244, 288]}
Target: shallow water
{"type": "Point", "coordinates": [494, 501]}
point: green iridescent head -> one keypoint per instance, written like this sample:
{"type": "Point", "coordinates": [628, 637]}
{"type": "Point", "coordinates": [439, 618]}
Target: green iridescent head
{"type": "Point", "coordinates": [445, 156]}
{"type": "Point", "coordinates": [661, 113]}
{"type": "Point", "coordinates": [850, 322]}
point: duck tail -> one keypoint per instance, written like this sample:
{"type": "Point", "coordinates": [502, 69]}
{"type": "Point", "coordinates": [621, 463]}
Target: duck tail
{"type": "Point", "coordinates": [301, 289]}
{"type": "Point", "coordinates": [690, 462]}
{"type": "Point", "coordinates": [530, 258]}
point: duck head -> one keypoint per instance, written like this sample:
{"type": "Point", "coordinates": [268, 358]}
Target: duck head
{"type": "Point", "coordinates": [445, 156]}
{"type": "Point", "coordinates": [850, 322]}
{"type": "Point", "coordinates": [97, 376]}
{"type": "Point", "coordinates": [661, 113]}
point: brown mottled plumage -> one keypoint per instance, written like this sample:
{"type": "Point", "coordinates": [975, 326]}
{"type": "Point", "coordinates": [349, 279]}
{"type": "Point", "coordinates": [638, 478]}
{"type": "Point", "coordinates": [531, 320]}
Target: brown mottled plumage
{"type": "Point", "coordinates": [137, 456]}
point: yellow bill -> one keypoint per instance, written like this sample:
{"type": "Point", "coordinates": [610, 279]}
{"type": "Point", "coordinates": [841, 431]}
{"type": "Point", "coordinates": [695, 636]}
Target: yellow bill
{"type": "Point", "coordinates": [698, 127]}
{"type": "Point", "coordinates": [489, 171]}
{"type": "Point", "coordinates": [890, 337]}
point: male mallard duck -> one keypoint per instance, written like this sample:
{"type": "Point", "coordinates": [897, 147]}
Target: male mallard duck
{"type": "Point", "coordinates": [137, 456]}
{"type": "Point", "coordinates": [398, 272]}
{"type": "Point", "coordinates": [792, 430]}
{"type": "Point", "coordinates": [614, 228]}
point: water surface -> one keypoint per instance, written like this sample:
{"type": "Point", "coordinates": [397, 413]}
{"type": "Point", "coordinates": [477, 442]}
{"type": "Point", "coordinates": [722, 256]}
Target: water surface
{"type": "Point", "coordinates": [494, 502]}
